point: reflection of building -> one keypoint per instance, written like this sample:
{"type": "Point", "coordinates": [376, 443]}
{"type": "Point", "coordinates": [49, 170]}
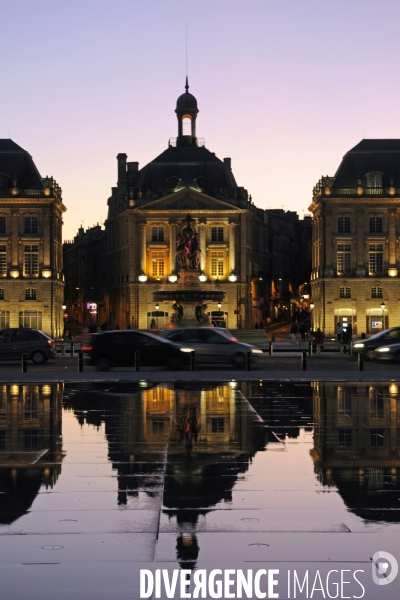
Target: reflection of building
{"type": "Point", "coordinates": [356, 444]}
{"type": "Point", "coordinates": [30, 444]}
{"type": "Point", "coordinates": [145, 213]}
{"type": "Point", "coordinates": [31, 278]}
{"type": "Point", "coordinates": [355, 240]}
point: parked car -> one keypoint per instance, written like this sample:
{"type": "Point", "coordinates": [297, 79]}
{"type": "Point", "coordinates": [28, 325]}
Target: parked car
{"type": "Point", "coordinates": [213, 344]}
{"type": "Point", "coordinates": [117, 349]}
{"type": "Point", "coordinates": [383, 338]}
{"type": "Point", "coordinates": [38, 346]}
{"type": "Point", "coordinates": [389, 352]}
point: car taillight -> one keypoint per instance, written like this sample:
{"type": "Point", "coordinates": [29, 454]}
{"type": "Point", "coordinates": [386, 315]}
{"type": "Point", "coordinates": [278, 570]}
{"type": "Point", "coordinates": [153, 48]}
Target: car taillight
{"type": "Point", "coordinates": [49, 342]}
{"type": "Point", "coordinates": [86, 348]}
{"type": "Point", "coordinates": [233, 339]}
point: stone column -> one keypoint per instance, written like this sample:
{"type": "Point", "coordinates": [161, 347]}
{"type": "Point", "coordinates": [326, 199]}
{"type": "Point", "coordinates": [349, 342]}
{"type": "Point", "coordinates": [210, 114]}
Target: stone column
{"type": "Point", "coordinates": [144, 247]}
{"type": "Point", "coordinates": [172, 246]}
{"type": "Point", "coordinates": [392, 239]}
{"type": "Point", "coordinates": [14, 240]}
{"type": "Point", "coordinates": [361, 251]}
{"type": "Point", "coordinates": [202, 232]}
{"type": "Point", "coordinates": [232, 249]}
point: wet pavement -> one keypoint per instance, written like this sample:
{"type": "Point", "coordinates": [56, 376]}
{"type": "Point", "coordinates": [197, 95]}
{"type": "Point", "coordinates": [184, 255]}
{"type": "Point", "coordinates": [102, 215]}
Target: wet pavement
{"type": "Point", "coordinates": [99, 480]}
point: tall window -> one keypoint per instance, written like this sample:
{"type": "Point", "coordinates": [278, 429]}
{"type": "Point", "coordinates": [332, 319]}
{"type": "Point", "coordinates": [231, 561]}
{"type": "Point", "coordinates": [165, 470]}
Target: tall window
{"type": "Point", "coordinates": [375, 258]}
{"type": "Point", "coordinates": [343, 225]}
{"type": "Point", "coordinates": [2, 224]}
{"type": "Point", "coordinates": [3, 259]}
{"type": "Point", "coordinates": [157, 234]}
{"type": "Point", "coordinates": [30, 294]}
{"type": "Point", "coordinates": [31, 259]}
{"type": "Point", "coordinates": [157, 264]}
{"type": "Point", "coordinates": [376, 292]}
{"type": "Point", "coordinates": [375, 180]}
{"type": "Point", "coordinates": [217, 264]}
{"type": "Point", "coordinates": [1, 294]}
{"type": "Point", "coordinates": [31, 319]}
{"type": "Point", "coordinates": [217, 234]}
{"type": "Point", "coordinates": [375, 225]}
{"type": "Point", "coordinates": [343, 258]}
{"type": "Point", "coordinates": [344, 437]}
{"type": "Point", "coordinates": [377, 437]}
{"type": "Point", "coordinates": [345, 292]}
{"type": "Point", "coordinates": [31, 225]}
{"type": "Point", "coordinates": [344, 400]}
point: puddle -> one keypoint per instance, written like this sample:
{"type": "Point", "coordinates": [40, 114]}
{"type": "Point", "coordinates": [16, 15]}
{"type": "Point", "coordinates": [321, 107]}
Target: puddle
{"type": "Point", "coordinates": [190, 475]}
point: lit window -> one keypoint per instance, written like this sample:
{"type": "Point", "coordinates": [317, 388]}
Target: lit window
{"type": "Point", "coordinates": [217, 234]}
{"type": "Point", "coordinates": [30, 294]}
{"type": "Point", "coordinates": [344, 400]}
{"type": "Point", "coordinates": [157, 264]}
{"type": "Point", "coordinates": [343, 225]}
{"type": "Point", "coordinates": [31, 259]}
{"type": "Point", "coordinates": [375, 225]}
{"type": "Point", "coordinates": [217, 264]}
{"type": "Point", "coordinates": [375, 258]}
{"type": "Point", "coordinates": [3, 259]}
{"type": "Point", "coordinates": [376, 292]}
{"type": "Point", "coordinates": [345, 292]}
{"type": "Point", "coordinates": [344, 258]}
{"type": "Point", "coordinates": [157, 234]}
{"type": "Point", "coordinates": [31, 225]}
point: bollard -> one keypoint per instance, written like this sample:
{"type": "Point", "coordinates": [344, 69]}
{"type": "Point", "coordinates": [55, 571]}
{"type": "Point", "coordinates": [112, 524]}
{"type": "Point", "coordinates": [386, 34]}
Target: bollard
{"type": "Point", "coordinates": [360, 362]}
{"type": "Point", "coordinates": [304, 361]}
{"type": "Point", "coordinates": [248, 361]}
{"type": "Point", "coordinates": [310, 348]}
{"type": "Point", "coordinates": [72, 349]}
{"type": "Point", "coordinates": [271, 349]}
{"type": "Point", "coordinates": [272, 337]}
{"type": "Point", "coordinates": [24, 363]}
{"type": "Point", "coordinates": [192, 360]}
{"type": "Point", "coordinates": [136, 364]}
{"type": "Point", "coordinates": [62, 349]}
{"type": "Point", "coordinates": [80, 362]}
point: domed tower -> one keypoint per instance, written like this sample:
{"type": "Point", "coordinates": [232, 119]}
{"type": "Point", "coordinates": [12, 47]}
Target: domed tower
{"type": "Point", "coordinates": [186, 112]}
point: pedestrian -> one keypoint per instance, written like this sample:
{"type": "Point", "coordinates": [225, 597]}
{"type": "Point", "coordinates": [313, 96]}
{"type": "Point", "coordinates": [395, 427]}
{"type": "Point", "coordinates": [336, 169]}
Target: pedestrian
{"type": "Point", "coordinates": [117, 326]}
{"type": "Point", "coordinates": [339, 332]}
{"type": "Point", "coordinates": [318, 340]}
{"type": "Point", "coordinates": [303, 331]}
{"type": "Point", "coordinates": [347, 337]}
{"type": "Point", "coordinates": [293, 331]}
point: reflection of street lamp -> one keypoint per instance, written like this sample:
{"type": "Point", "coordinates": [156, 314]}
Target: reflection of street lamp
{"type": "Point", "coordinates": [383, 315]}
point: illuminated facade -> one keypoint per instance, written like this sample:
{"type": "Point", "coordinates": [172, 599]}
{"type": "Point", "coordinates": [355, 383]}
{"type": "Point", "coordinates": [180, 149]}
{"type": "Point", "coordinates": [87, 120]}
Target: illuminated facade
{"type": "Point", "coordinates": [356, 233]}
{"type": "Point", "coordinates": [31, 273]}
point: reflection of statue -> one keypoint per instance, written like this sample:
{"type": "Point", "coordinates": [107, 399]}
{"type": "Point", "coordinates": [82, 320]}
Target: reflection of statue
{"type": "Point", "coordinates": [187, 246]}
{"type": "Point", "coordinates": [201, 315]}
{"type": "Point", "coordinates": [176, 318]}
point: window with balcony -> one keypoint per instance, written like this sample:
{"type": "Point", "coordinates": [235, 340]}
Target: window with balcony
{"type": "Point", "coordinates": [343, 225]}
{"type": "Point", "coordinates": [157, 234]}
{"type": "Point", "coordinates": [217, 264]}
{"type": "Point", "coordinates": [2, 224]}
{"type": "Point", "coordinates": [375, 225]}
{"type": "Point", "coordinates": [344, 292]}
{"type": "Point", "coordinates": [217, 234]}
{"type": "Point", "coordinates": [30, 294]}
{"type": "Point", "coordinates": [375, 263]}
{"type": "Point", "coordinates": [3, 260]}
{"type": "Point", "coordinates": [31, 259]}
{"type": "Point", "coordinates": [343, 258]}
{"type": "Point", "coordinates": [31, 225]}
{"type": "Point", "coordinates": [157, 264]}
{"type": "Point", "coordinates": [376, 292]}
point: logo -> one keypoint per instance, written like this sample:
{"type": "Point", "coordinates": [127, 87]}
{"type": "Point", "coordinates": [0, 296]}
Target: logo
{"type": "Point", "coordinates": [384, 568]}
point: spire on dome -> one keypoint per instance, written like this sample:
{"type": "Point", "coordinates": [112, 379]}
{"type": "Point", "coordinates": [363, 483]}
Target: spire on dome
{"type": "Point", "coordinates": [187, 84]}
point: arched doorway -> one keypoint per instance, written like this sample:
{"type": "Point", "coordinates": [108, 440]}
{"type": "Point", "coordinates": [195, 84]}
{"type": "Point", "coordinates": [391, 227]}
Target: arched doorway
{"type": "Point", "coordinates": [157, 319]}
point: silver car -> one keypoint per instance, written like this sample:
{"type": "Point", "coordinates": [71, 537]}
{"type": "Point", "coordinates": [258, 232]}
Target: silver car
{"type": "Point", "coordinates": [38, 346]}
{"type": "Point", "coordinates": [213, 344]}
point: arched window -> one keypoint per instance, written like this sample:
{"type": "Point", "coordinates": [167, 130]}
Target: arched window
{"type": "Point", "coordinates": [344, 292]}
{"type": "Point", "coordinates": [376, 292]}
{"type": "Point", "coordinates": [186, 125]}
{"type": "Point", "coordinates": [30, 294]}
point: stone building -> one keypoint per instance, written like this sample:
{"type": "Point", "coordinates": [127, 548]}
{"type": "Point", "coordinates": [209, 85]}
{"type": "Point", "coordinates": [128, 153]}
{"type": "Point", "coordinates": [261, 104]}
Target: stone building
{"type": "Point", "coordinates": [31, 271]}
{"type": "Point", "coordinates": [356, 233]}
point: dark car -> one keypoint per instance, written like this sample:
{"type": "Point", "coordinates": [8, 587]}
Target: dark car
{"type": "Point", "coordinates": [213, 344]}
{"type": "Point", "coordinates": [388, 352]}
{"type": "Point", "coordinates": [38, 346]}
{"type": "Point", "coordinates": [383, 338]}
{"type": "Point", "coordinates": [117, 349]}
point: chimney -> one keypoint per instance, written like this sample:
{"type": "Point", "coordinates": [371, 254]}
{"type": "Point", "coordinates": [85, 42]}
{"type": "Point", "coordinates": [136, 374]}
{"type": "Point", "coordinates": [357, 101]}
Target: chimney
{"type": "Point", "coordinates": [133, 167]}
{"type": "Point", "coordinates": [121, 158]}
{"type": "Point", "coordinates": [227, 162]}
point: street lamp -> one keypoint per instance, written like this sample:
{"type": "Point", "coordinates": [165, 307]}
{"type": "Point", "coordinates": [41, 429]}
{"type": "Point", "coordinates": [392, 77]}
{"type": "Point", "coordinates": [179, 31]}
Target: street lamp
{"type": "Point", "coordinates": [383, 315]}
{"type": "Point", "coordinates": [312, 315]}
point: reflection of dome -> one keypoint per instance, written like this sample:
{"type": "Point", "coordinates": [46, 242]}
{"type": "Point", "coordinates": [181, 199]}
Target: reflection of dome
{"type": "Point", "coordinates": [186, 101]}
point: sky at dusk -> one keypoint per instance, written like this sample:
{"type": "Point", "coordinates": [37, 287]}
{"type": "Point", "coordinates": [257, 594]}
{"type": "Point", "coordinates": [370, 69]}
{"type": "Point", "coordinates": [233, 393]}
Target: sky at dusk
{"type": "Point", "coordinates": [284, 87]}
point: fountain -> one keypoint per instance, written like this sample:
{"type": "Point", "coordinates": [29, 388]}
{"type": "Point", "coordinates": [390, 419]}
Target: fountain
{"type": "Point", "coordinates": [189, 300]}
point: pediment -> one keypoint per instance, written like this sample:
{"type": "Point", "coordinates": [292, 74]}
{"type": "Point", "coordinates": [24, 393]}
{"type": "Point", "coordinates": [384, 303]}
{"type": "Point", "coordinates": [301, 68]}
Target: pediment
{"type": "Point", "coordinates": [187, 199]}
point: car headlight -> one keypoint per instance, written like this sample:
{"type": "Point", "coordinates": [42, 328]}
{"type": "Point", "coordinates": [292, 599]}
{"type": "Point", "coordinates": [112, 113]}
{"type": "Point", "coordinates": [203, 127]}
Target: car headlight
{"type": "Point", "coordinates": [256, 351]}
{"type": "Point", "coordinates": [358, 346]}
{"type": "Point", "coordinates": [383, 349]}
{"type": "Point", "coordinates": [186, 349]}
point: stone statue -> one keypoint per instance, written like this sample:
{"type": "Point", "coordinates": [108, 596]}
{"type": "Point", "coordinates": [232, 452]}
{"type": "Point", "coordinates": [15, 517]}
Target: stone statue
{"type": "Point", "coordinates": [201, 315]}
{"type": "Point", "coordinates": [188, 251]}
{"type": "Point", "coordinates": [176, 318]}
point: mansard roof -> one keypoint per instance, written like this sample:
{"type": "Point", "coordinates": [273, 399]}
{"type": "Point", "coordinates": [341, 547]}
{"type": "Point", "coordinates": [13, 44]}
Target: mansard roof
{"type": "Point", "coordinates": [370, 155]}
{"type": "Point", "coordinates": [15, 162]}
